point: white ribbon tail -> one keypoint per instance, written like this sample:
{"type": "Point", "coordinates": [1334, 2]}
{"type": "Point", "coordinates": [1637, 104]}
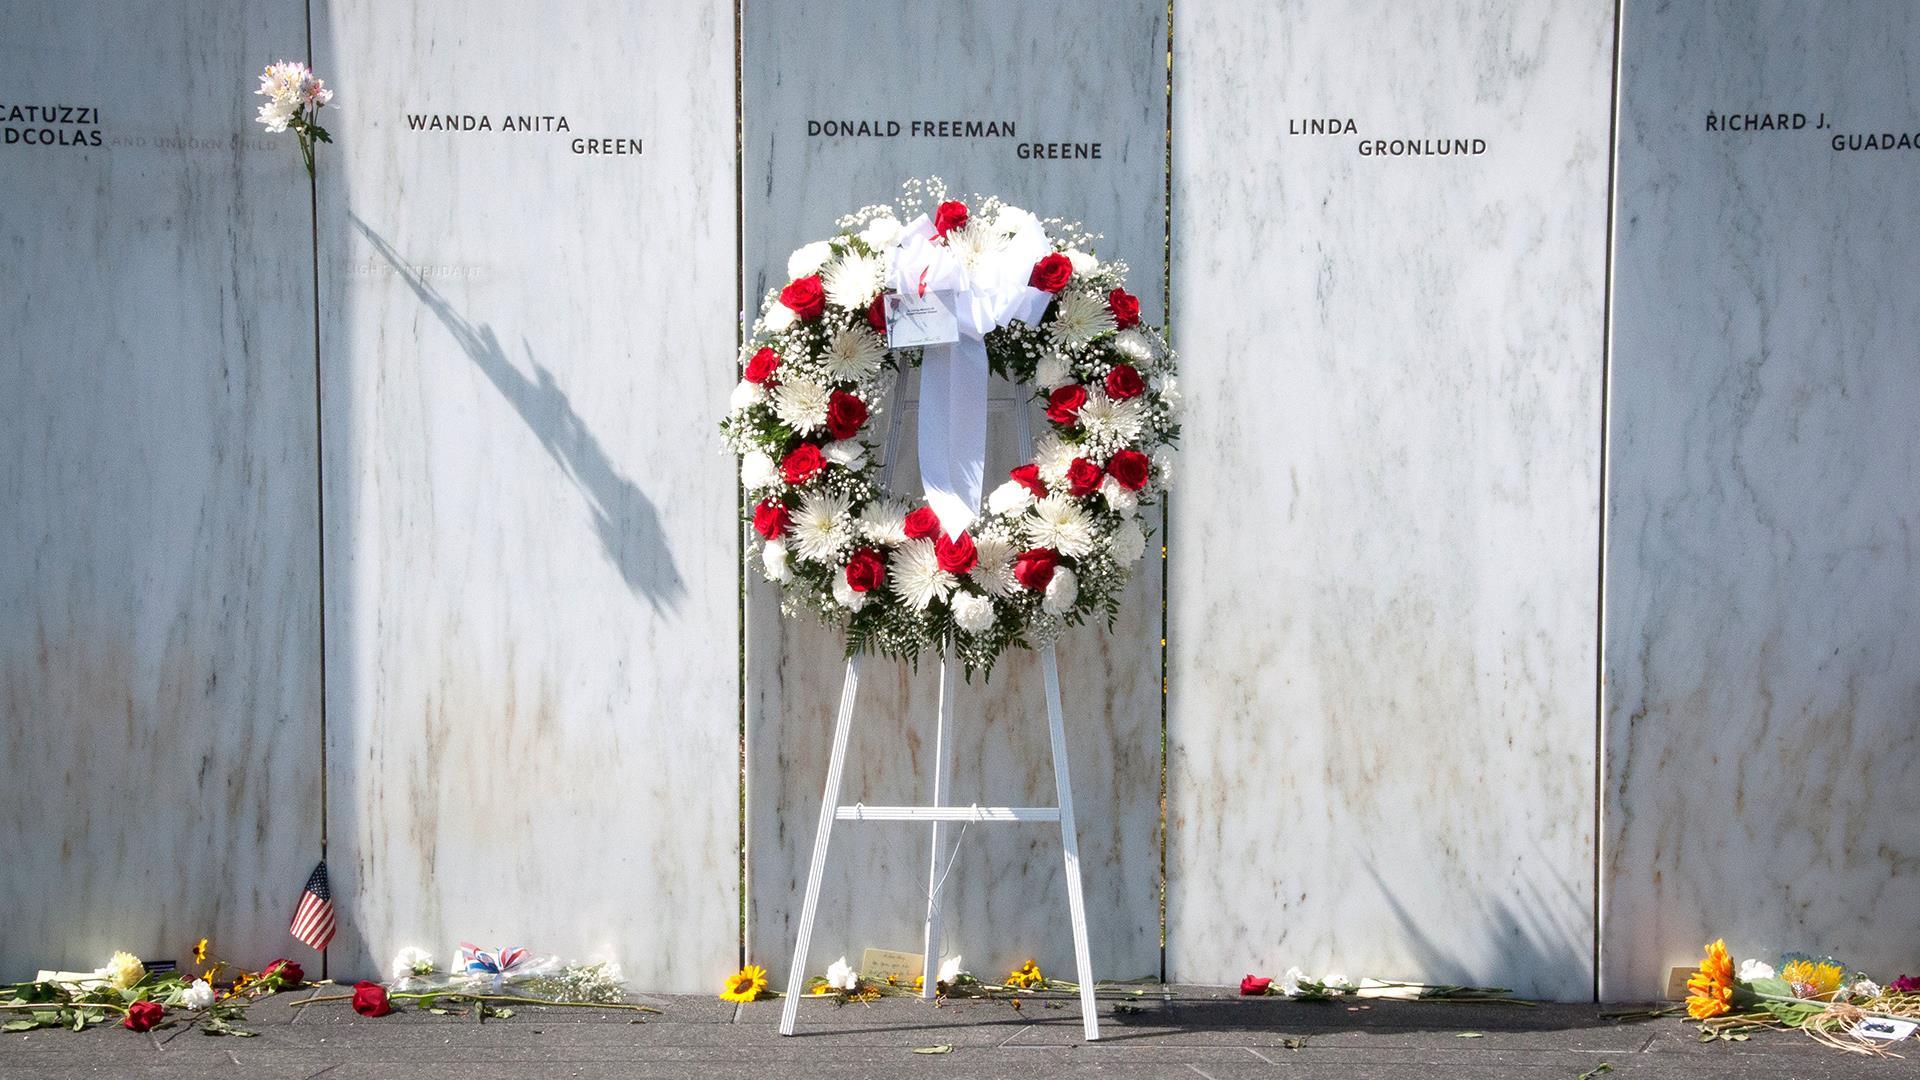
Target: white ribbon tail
{"type": "Point", "coordinates": [953, 430]}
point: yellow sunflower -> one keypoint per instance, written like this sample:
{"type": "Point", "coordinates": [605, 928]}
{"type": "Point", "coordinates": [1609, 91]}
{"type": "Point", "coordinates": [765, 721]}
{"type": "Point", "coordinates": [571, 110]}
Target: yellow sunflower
{"type": "Point", "coordinates": [745, 985]}
{"type": "Point", "coordinates": [1813, 979]}
{"type": "Point", "coordinates": [1711, 988]}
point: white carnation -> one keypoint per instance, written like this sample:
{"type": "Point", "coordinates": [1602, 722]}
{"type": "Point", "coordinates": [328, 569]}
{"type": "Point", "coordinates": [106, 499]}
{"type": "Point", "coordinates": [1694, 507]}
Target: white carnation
{"type": "Point", "coordinates": [409, 961]}
{"type": "Point", "coordinates": [1119, 499]}
{"type": "Point", "coordinates": [746, 395]}
{"type": "Point", "coordinates": [757, 470]}
{"type": "Point", "coordinates": [994, 570]}
{"type": "Point", "coordinates": [1062, 591]}
{"type": "Point", "coordinates": [820, 528]}
{"type": "Point", "coordinates": [841, 976]}
{"type": "Point", "coordinates": [801, 404]}
{"type": "Point", "coordinates": [972, 613]}
{"type": "Point", "coordinates": [884, 521]}
{"type": "Point", "coordinates": [845, 595]}
{"type": "Point", "coordinates": [852, 281]}
{"type": "Point", "coordinates": [1011, 497]}
{"type": "Point", "coordinates": [1129, 543]}
{"type": "Point", "coordinates": [1083, 263]}
{"type": "Point", "coordinates": [197, 995]}
{"type": "Point", "coordinates": [914, 574]}
{"type": "Point", "coordinates": [774, 558]}
{"type": "Point", "coordinates": [1080, 317]}
{"type": "Point", "coordinates": [1057, 522]}
{"type": "Point", "coordinates": [778, 317]}
{"type": "Point", "coordinates": [808, 259]}
{"type": "Point", "coordinates": [880, 232]}
{"type": "Point", "coordinates": [1052, 372]}
{"type": "Point", "coordinates": [1754, 969]}
{"type": "Point", "coordinates": [847, 453]}
{"type": "Point", "coordinates": [1133, 345]}
{"type": "Point", "coordinates": [854, 353]}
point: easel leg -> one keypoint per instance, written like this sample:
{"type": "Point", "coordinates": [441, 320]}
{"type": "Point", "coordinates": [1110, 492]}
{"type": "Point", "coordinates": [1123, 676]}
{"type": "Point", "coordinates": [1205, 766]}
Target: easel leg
{"type": "Point", "coordinates": [829, 803]}
{"type": "Point", "coordinates": [942, 782]}
{"type": "Point", "coordinates": [1069, 843]}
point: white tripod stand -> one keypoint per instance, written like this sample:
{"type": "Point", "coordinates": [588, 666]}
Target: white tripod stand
{"type": "Point", "coordinates": [939, 813]}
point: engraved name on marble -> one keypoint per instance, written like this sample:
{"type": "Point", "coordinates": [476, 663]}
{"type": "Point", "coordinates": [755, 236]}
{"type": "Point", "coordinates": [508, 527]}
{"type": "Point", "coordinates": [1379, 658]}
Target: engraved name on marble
{"type": "Point", "coordinates": [956, 129]}
{"type": "Point", "coordinates": [49, 125]}
{"type": "Point", "coordinates": [597, 146]}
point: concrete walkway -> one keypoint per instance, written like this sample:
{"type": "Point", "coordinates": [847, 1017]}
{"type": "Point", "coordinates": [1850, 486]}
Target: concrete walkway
{"type": "Point", "coordinates": [1181, 1032]}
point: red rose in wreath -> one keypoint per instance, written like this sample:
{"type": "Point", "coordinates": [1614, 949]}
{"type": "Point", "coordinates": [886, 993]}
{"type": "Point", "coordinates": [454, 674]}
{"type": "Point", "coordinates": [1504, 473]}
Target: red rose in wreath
{"type": "Point", "coordinates": [845, 414]}
{"type": "Point", "coordinates": [1123, 382]}
{"type": "Point", "coordinates": [762, 366]}
{"type": "Point", "coordinates": [1130, 467]}
{"type": "Point", "coordinates": [865, 571]}
{"type": "Point", "coordinates": [1034, 568]}
{"type": "Point", "coordinates": [1051, 273]}
{"type": "Point", "coordinates": [800, 465]}
{"type": "Point", "coordinates": [951, 215]}
{"type": "Point", "coordinates": [1125, 307]}
{"type": "Point", "coordinates": [1083, 477]}
{"type": "Point", "coordinates": [806, 296]}
{"type": "Point", "coordinates": [770, 519]}
{"type": "Point", "coordinates": [923, 524]}
{"type": "Point", "coordinates": [1063, 405]}
{"type": "Point", "coordinates": [956, 556]}
{"type": "Point", "coordinates": [1028, 476]}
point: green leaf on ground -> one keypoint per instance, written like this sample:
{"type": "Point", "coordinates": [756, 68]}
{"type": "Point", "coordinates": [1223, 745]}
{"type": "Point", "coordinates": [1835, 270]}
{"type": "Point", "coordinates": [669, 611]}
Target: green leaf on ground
{"type": "Point", "coordinates": [1470, 1035]}
{"type": "Point", "coordinates": [1603, 1067]}
{"type": "Point", "coordinates": [943, 1048]}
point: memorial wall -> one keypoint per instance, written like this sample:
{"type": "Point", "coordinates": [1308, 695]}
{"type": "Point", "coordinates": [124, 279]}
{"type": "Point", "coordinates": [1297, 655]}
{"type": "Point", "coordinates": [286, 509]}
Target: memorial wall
{"type": "Point", "coordinates": [1538, 588]}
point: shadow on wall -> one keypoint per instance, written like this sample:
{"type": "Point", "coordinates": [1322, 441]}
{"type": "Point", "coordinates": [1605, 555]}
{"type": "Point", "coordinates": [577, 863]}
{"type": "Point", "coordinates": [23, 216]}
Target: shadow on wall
{"type": "Point", "coordinates": [1527, 945]}
{"type": "Point", "coordinates": [623, 517]}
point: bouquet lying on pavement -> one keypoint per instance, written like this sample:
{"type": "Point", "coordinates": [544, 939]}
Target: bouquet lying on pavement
{"type": "Point", "coordinates": [205, 993]}
{"type": "Point", "coordinates": [491, 980]}
{"type": "Point", "coordinates": [1818, 995]}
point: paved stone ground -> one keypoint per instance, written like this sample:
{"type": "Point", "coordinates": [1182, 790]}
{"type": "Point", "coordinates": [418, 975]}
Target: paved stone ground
{"type": "Point", "coordinates": [1179, 1032]}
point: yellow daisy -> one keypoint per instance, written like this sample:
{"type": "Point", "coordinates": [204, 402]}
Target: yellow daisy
{"type": "Point", "coordinates": [1026, 977]}
{"type": "Point", "coordinates": [1710, 990]}
{"type": "Point", "coordinates": [200, 951]}
{"type": "Point", "coordinates": [745, 985]}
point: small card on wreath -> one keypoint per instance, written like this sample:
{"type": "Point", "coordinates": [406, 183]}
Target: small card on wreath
{"type": "Point", "coordinates": [916, 320]}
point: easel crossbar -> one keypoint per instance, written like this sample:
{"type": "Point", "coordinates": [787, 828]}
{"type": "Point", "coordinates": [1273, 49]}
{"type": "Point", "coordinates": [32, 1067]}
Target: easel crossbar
{"type": "Point", "coordinates": [861, 812]}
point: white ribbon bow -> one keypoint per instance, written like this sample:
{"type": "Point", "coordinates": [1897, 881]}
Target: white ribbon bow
{"type": "Point", "coordinates": [984, 295]}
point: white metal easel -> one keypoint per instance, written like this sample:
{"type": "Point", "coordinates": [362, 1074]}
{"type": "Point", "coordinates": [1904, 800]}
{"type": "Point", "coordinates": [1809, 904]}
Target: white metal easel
{"type": "Point", "coordinates": [939, 813]}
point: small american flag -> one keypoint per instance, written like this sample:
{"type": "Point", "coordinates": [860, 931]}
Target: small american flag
{"type": "Point", "coordinates": [313, 920]}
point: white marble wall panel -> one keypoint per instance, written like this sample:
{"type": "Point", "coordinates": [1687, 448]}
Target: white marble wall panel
{"type": "Point", "coordinates": [1762, 655]}
{"type": "Point", "coordinates": [1082, 72]}
{"type": "Point", "coordinates": [1383, 588]}
{"type": "Point", "coordinates": [159, 637]}
{"type": "Point", "coordinates": [532, 595]}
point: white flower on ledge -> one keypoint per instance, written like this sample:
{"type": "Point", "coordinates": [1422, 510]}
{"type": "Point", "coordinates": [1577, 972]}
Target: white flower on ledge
{"type": "Point", "coordinates": [841, 976]}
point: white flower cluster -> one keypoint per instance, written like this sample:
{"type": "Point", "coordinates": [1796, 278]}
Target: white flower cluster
{"type": "Point", "coordinates": [1056, 541]}
{"type": "Point", "coordinates": [292, 91]}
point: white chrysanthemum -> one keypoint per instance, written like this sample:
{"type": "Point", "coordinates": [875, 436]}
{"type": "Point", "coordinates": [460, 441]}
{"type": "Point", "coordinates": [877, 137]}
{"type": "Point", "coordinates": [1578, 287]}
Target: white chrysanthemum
{"type": "Point", "coordinates": [852, 280]}
{"type": "Point", "coordinates": [746, 395]}
{"type": "Point", "coordinates": [844, 594]}
{"type": "Point", "coordinates": [849, 454]}
{"type": "Point", "coordinates": [1054, 458]}
{"type": "Point", "coordinates": [994, 571]}
{"type": "Point", "coordinates": [1129, 543]}
{"type": "Point", "coordinates": [1080, 318]}
{"type": "Point", "coordinates": [1009, 498]}
{"type": "Point", "coordinates": [1018, 222]}
{"type": "Point", "coordinates": [841, 976]}
{"type": "Point", "coordinates": [820, 529]}
{"type": "Point", "coordinates": [1133, 345]}
{"type": "Point", "coordinates": [1112, 421]}
{"type": "Point", "coordinates": [972, 613]}
{"type": "Point", "coordinates": [1053, 371]}
{"type": "Point", "coordinates": [1057, 522]}
{"type": "Point", "coordinates": [1168, 389]}
{"type": "Point", "coordinates": [774, 559]}
{"type": "Point", "coordinates": [976, 244]}
{"type": "Point", "coordinates": [1062, 590]}
{"type": "Point", "coordinates": [808, 259]}
{"type": "Point", "coordinates": [854, 353]}
{"type": "Point", "coordinates": [276, 115]}
{"type": "Point", "coordinates": [1119, 499]}
{"type": "Point", "coordinates": [778, 317]}
{"type": "Point", "coordinates": [884, 521]}
{"type": "Point", "coordinates": [410, 960]}
{"type": "Point", "coordinates": [197, 995]}
{"type": "Point", "coordinates": [1083, 262]}
{"type": "Point", "coordinates": [801, 404]}
{"type": "Point", "coordinates": [914, 574]}
{"type": "Point", "coordinates": [757, 470]}
{"type": "Point", "coordinates": [880, 232]}
{"type": "Point", "coordinates": [1163, 466]}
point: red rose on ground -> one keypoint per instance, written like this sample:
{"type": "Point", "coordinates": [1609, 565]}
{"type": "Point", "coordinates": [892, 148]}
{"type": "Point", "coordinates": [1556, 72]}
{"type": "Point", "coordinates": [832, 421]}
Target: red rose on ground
{"type": "Point", "coordinates": [800, 465]}
{"type": "Point", "coordinates": [877, 314]}
{"type": "Point", "coordinates": [1052, 273]}
{"type": "Point", "coordinates": [1063, 405]}
{"type": "Point", "coordinates": [1083, 477]}
{"type": "Point", "coordinates": [950, 216]}
{"type": "Point", "coordinates": [1123, 382]}
{"type": "Point", "coordinates": [143, 1015]}
{"type": "Point", "coordinates": [762, 366]}
{"type": "Point", "coordinates": [805, 296]}
{"type": "Point", "coordinates": [370, 999]}
{"type": "Point", "coordinates": [956, 556]}
{"type": "Point", "coordinates": [1028, 476]}
{"type": "Point", "coordinates": [1034, 568]}
{"type": "Point", "coordinates": [1125, 307]}
{"type": "Point", "coordinates": [845, 414]}
{"type": "Point", "coordinates": [1254, 986]}
{"type": "Point", "coordinates": [770, 519]}
{"type": "Point", "coordinates": [288, 972]}
{"type": "Point", "coordinates": [865, 571]}
{"type": "Point", "coordinates": [1130, 468]}
{"type": "Point", "coordinates": [923, 524]}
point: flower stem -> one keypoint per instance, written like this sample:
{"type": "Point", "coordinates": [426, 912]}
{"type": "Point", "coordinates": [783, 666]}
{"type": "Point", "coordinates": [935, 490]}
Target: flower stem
{"type": "Point", "coordinates": [506, 998]}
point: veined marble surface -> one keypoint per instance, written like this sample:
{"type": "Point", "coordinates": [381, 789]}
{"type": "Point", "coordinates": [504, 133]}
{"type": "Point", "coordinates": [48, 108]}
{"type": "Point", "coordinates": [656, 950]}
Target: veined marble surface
{"type": "Point", "coordinates": [532, 595]}
{"type": "Point", "coordinates": [1762, 651]}
{"type": "Point", "coordinates": [1005, 898]}
{"type": "Point", "coordinates": [1381, 631]}
{"type": "Point", "coordinates": [159, 613]}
